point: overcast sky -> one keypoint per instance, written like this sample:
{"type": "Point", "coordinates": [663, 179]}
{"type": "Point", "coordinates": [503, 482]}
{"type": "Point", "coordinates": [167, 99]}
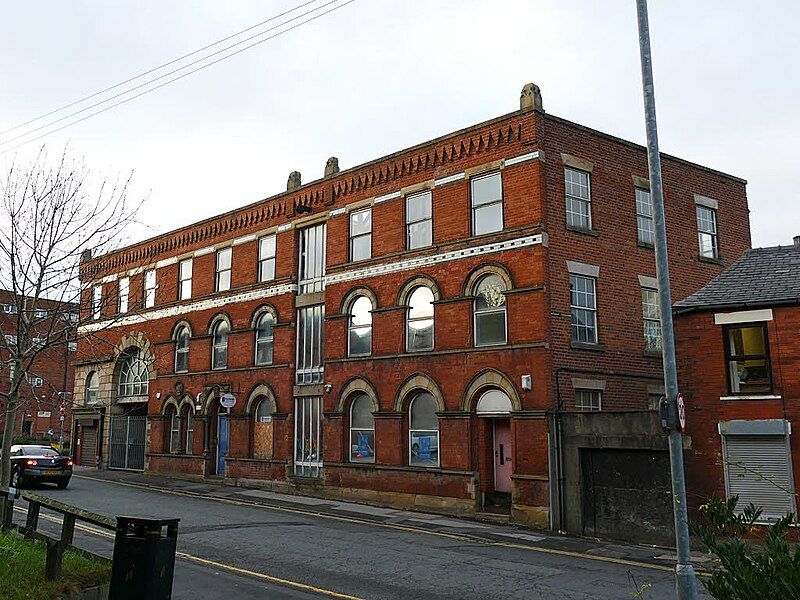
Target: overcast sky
{"type": "Point", "coordinates": [381, 75]}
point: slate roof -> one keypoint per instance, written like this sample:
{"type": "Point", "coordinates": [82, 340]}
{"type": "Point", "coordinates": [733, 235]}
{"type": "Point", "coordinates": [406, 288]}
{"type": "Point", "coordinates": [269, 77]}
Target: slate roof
{"type": "Point", "coordinates": [761, 277]}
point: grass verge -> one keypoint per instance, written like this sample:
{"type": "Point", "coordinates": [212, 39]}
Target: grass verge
{"type": "Point", "coordinates": [22, 571]}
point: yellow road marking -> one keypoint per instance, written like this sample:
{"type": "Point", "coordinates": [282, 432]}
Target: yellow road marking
{"type": "Point", "coordinates": [457, 537]}
{"type": "Point", "coordinates": [218, 565]}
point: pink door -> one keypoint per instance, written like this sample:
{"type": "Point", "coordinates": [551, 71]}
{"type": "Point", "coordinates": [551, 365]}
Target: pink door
{"type": "Point", "coordinates": [502, 455]}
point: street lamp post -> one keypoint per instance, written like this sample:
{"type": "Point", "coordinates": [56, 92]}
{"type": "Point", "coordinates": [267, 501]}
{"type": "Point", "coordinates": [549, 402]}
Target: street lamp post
{"type": "Point", "coordinates": [685, 582]}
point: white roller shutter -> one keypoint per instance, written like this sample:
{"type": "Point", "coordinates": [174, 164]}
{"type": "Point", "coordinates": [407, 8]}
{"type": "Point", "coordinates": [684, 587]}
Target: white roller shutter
{"type": "Point", "coordinates": [758, 470]}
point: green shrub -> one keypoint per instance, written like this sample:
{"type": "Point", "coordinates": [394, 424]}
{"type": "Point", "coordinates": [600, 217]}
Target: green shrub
{"type": "Point", "coordinates": [765, 566]}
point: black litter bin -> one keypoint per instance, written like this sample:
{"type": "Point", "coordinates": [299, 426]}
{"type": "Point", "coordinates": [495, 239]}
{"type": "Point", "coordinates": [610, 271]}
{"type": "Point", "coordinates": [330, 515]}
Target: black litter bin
{"type": "Point", "coordinates": [144, 559]}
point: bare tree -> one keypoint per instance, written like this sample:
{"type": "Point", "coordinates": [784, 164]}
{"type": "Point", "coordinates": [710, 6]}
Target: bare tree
{"type": "Point", "coordinates": [51, 216]}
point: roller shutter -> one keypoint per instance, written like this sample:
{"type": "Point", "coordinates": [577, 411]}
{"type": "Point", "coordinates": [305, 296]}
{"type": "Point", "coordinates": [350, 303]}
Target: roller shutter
{"type": "Point", "coordinates": [758, 470]}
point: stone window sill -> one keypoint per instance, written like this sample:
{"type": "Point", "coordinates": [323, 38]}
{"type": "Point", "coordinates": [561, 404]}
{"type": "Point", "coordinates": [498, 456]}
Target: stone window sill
{"type": "Point", "coordinates": [751, 397]}
{"type": "Point", "coordinates": [581, 230]}
{"type": "Point", "coordinates": [587, 346]}
{"type": "Point", "coordinates": [642, 244]}
{"type": "Point", "coordinates": [713, 261]}
{"type": "Point", "coordinates": [653, 353]}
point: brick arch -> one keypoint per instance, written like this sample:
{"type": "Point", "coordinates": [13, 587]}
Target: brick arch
{"type": "Point", "coordinates": [220, 316]}
{"type": "Point", "coordinates": [354, 293]}
{"type": "Point", "coordinates": [418, 382]}
{"type": "Point", "coordinates": [136, 339]}
{"type": "Point", "coordinates": [489, 379]}
{"type": "Point", "coordinates": [357, 385]}
{"type": "Point", "coordinates": [170, 401]}
{"type": "Point", "coordinates": [178, 325]}
{"type": "Point", "coordinates": [212, 393]}
{"type": "Point", "coordinates": [261, 390]}
{"type": "Point", "coordinates": [411, 284]}
{"type": "Point", "coordinates": [480, 271]}
{"type": "Point", "coordinates": [260, 311]}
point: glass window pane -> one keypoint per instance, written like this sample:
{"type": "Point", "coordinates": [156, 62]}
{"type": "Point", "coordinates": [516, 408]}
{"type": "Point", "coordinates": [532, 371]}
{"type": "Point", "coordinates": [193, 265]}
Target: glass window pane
{"type": "Point", "coordinates": [420, 335]}
{"type": "Point", "coordinates": [750, 376]}
{"type": "Point", "coordinates": [421, 303]}
{"type": "Point", "coordinates": [361, 247]}
{"type": "Point", "coordinates": [266, 269]}
{"type": "Point", "coordinates": [264, 352]}
{"type": "Point", "coordinates": [264, 327]}
{"type": "Point", "coordinates": [420, 234]}
{"type": "Point", "coordinates": [362, 445]}
{"type": "Point", "coordinates": [578, 213]}
{"type": "Point", "coordinates": [424, 448]}
{"type": "Point", "coordinates": [489, 293]}
{"type": "Point", "coordinates": [360, 341]}
{"type": "Point", "coordinates": [360, 222]}
{"type": "Point", "coordinates": [361, 413]}
{"type": "Point", "coordinates": [224, 259]}
{"type": "Point", "coordinates": [486, 189]}
{"type": "Point", "coordinates": [361, 311]}
{"type": "Point", "coordinates": [266, 247]}
{"type": "Point", "coordinates": [487, 218]}
{"type": "Point", "coordinates": [418, 207]}
{"type": "Point", "coordinates": [423, 412]}
{"type": "Point", "coordinates": [490, 328]}
{"type": "Point", "coordinates": [747, 341]}
{"type": "Point", "coordinates": [577, 183]}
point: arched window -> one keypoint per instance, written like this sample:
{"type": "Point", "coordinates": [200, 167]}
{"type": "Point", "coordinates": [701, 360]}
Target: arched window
{"type": "Point", "coordinates": [133, 375]}
{"type": "Point", "coordinates": [419, 320]}
{"type": "Point", "coordinates": [174, 422]}
{"type": "Point", "coordinates": [187, 416]}
{"type": "Point", "coordinates": [264, 339]}
{"type": "Point", "coordinates": [182, 350]}
{"type": "Point", "coordinates": [490, 311]}
{"type": "Point", "coordinates": [92, 388]}
{"type": "Point", "coordinates": [423, 431]}
{"type": "Point", "coordinates": [362, 430]}
{"type": "Point", "coordinates": [262, 428]}
{"type": "Point", "coordinates": [359, 339]}
{"type": "Point", "coordinates": [219, 345]}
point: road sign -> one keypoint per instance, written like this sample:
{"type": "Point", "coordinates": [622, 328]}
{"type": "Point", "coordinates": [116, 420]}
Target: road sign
{"type": "Point", "coordinates": [681, 413]}
{"type": "Point", "coordinates": [228, 400]}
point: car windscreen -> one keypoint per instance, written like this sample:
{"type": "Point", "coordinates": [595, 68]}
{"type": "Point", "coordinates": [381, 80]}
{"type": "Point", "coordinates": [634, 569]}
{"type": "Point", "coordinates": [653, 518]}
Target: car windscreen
{"type": "Point", "coordinates": [38, 451]}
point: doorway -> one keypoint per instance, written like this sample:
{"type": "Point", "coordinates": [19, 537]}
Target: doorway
{"type": "Point", "coordinates": [223, 442]}
{"type": "Point", "coordinates": [502, 455]}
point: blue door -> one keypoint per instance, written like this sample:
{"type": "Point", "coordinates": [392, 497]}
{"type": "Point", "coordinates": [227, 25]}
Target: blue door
{"type": "Point", "coordinates": [223, 441]}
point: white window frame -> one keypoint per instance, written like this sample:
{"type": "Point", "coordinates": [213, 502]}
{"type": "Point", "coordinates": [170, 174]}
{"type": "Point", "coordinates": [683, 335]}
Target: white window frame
{"type": "Point", "coordinates": [267, 250]}
{"type": "Point", "coordinates": [223, 284]}
{"type": "Point", "coordinates": [185, 268]}
{"type": "Point", "coordinates": [350, 457]}
{"type": "Point", "coordinates": [409, 320]}
{"type": "Point", "coordinates": [97, 301]}
{"type": "Point", "coordinates": [351, 327]}
{"type": "Point", "coordinates": [645, 214]}
{"type": "Point", "coordinates": [265, 339]}
{"type": "Point", "coordinates": [650, 319]}
{"type": "Point", "coordinates": [591, 394]}
{"type": "Point", "coordinates": [217, 347]}
{"type": "Point", "coordinates": [134, 377]}
{"type": "Point", "coordinates": [150, 286]}
{"type": "Point", "coordinates": [578, 198]}
{"type": "Point", "coordinates": [189, 431]}
{"type": "Point", "coordinates": [477, 313]}
{"type": "Point", "coordinates": [10, 309]}
{"type": "Point", "coordinates": [711, 232]}
{"type": "Point", "coordinates": [174, 431]}
{"type": "Point", "coordinates": [412, 431]}
{"type": "Point", "coordinates": [179, 350]}
{"type": "Point", "coordinates": [124, 294]}
{"type": "Point", "coordinates": [410, 223]}
{"type": "Point", "coordinates": [310, 367]}
{"type": "Point", "coordinates": [486, 203]}
{"type": "Point", "coordinates": [358, 236]}
{"type": "Point", "coordinates": [311, 273]}
{"type": "Point", "coordinates": [308, 436]}
{"type": "Point", "coordinates": [575, 307]}
{"type": "Point", "coordinates": [40, 314]}
{"type": "Point", "coordinates": [91, 394]}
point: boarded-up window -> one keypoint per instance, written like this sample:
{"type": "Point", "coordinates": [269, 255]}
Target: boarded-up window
{"type": "Point", "coordinates": [262, 429]}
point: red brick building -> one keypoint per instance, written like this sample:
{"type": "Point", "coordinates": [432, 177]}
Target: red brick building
{"type": "Point", "coordinates": [739, 369]}
{"type": "Point", "coordinates": [398, 332]}
{"type": "Point", "coordinates": [50, 380]}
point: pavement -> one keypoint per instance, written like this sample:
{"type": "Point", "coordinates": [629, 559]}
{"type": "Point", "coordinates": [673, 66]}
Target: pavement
{"type": "Point", "coordinates": [249, 543]}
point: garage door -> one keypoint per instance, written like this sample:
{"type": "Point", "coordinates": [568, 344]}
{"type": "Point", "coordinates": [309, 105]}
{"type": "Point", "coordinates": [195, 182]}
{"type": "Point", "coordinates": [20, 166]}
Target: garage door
{"type": "Point", "coordinates": [627, 495]}
{"type": "Point", "coordinates": [88, 446]}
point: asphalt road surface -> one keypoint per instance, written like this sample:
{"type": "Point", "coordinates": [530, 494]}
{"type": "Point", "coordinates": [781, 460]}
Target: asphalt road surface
{"type": "Point", "coordinates": [229, 549]}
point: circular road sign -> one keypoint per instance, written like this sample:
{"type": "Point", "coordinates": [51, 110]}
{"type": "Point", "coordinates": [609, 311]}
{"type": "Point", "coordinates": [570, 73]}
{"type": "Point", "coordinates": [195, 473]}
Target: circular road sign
{"type": "Point", "coordinates": [228, 400]}
{"type": "Point", "coordinates": [681, 413]}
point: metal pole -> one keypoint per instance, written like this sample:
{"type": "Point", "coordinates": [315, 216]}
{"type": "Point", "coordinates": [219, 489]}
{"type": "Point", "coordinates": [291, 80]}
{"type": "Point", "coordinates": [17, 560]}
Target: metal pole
{"type": "Point", "coordinates": [685, 582]}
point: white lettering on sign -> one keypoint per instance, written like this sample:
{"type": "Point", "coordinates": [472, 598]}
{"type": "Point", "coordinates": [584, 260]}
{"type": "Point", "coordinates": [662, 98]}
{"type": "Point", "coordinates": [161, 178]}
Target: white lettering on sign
{"type": "Point", "coordinates": [43, 414]}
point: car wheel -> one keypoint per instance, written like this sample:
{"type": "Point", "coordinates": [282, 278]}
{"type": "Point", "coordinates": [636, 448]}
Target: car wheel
{"type": "Point", "coordinates": [62, 484]}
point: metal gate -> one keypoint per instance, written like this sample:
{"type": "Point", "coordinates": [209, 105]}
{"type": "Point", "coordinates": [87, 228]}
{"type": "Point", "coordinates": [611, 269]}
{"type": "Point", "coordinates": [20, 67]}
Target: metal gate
{"type": "Point", "coordinates": [127, 442]}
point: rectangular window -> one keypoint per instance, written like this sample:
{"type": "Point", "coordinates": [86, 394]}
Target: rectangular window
{"type": "Point", "coordinates": [312, 259]}
{"type": "Point", "coordinates": [124, 292]}
{"type": "Point", "coordinates": [11, 340]}
{"type": "Point", "coordinates": [487, 204]}
{"type": "Point", "coordinates": [38, 342]}
{"type": "Point", "coordinates": [72, 346]}
{"type": "Point", "coordinates": [97, 300]}
{"type": "Point", "coordinates": [707, 231]}
{"type": "Point", "coordinates": [150, 288]}
{"type": "Point", "coordinates": [310, 338]}
{"type": "Point", "coordinates": [185, 279]}
{"type": "Point", "coordinates": [644, 217]}
{"type": "Point", "coordinates": [361, 234]}
{"type": "Point", "coordinates": [588, 400]}
{"type": "Point", "coordinates": [419, 222]}
{"type": "Point", "coordinates": [758, 469]}
{"type": "Point", "coordinates": [10, 309]}
{"type": "Point", "coordinates": [308, 436]}
{"type": "Point", "coordinates": [579, 199]}
{"type": "Point", "coordinates": [583, 308]}
{"type": "Point", "coordinates": [747, 354]}
{"type": "Point", "coordinates": [266, 258]}
{"type": "Point", "coordinates": [35, 381]}
{"type": "Point", "coordinates": [223, 281]}
{"type": "Point", "coordinates": [40, 314]}
{"type": "Point", "coordinates": [651, 314]}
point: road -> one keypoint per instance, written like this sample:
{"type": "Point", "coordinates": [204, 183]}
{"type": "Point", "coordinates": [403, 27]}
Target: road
{"type": "Point", "coordinates": [231, 547]}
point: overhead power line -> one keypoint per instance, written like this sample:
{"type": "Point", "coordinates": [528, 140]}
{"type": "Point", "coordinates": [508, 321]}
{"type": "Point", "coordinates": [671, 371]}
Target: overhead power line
{"type": "Point", "coordinates": [174, 79]}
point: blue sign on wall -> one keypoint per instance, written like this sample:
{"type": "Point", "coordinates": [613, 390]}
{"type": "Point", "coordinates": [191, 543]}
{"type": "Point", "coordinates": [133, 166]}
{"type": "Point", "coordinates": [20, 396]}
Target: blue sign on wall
{"type": "Point", "coordinates": [425, 447]}
{"type": "Point", "coordinates": [363, 445]}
